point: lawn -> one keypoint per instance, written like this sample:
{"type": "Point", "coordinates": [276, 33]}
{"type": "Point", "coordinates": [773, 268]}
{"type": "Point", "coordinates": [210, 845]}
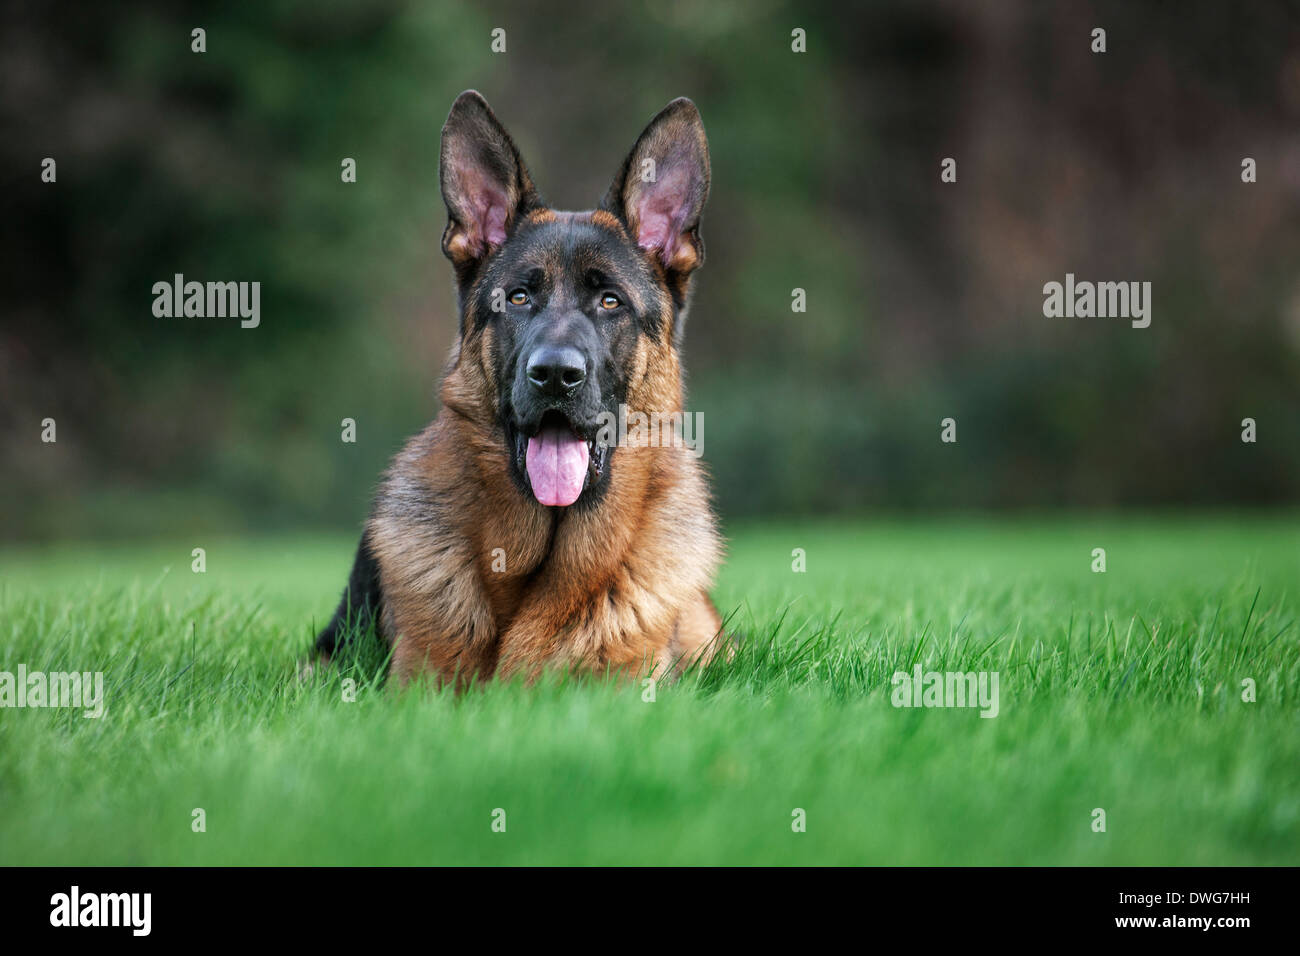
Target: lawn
{"type": "Point", "coordinates": [1119, 690]}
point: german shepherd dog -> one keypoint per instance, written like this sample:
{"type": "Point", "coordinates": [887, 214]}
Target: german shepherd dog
{"type": "Point", "coordinates": [511, 536]}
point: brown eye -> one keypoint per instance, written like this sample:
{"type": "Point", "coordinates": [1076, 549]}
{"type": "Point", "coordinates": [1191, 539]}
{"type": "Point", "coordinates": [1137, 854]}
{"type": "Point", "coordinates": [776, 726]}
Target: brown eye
{"type": "Point", "coordinates": [519, 297]}
{"type": "Point", "coordinates": [610, 301]}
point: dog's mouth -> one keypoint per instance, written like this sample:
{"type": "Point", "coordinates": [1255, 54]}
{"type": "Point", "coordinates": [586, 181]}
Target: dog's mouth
{"type": "Point", "coordinates": [557, 460]}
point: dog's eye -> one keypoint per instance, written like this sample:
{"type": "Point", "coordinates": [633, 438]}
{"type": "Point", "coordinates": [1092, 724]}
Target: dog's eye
{"type": "Point", "coordinates": [610, 301]}
{"type": "Point", "coordinates": [519, 297]}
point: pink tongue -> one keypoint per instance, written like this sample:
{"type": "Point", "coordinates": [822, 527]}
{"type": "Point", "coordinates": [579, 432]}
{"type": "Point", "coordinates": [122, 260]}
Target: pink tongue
{"type": "Point", "coordinates": [557, 465]}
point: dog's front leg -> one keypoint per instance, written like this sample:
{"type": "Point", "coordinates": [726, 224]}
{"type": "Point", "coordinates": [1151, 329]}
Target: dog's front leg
{"type": "Point", "coordinates": [622, 630]}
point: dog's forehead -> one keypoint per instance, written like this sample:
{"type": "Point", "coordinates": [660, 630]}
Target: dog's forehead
{"type": "Point", "coordinates": [555, 241]}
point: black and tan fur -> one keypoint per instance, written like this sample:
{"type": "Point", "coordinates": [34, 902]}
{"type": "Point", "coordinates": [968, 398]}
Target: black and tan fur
{"type": "Point", "coordinates": [618, 581]}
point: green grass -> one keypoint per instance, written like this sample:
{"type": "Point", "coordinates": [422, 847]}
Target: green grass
{"type": "Point", "coordinates": [1119, 690]}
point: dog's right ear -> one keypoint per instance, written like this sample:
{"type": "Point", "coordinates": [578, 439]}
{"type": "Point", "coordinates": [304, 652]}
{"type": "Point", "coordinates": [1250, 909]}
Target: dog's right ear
{"type": "Point", "coordinates": [484, 182]}
{"type": "Point", "coordinates": [659, 192]}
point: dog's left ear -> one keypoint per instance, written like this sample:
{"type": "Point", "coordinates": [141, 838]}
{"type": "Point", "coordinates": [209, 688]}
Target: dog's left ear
{"type": "Point", "coordinates": [484, 182]}
{"type": "Point", "coordinates": [660, 191]}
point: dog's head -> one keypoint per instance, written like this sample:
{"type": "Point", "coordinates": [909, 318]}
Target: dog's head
{"type": "Point", "coordinates": [565, 316]}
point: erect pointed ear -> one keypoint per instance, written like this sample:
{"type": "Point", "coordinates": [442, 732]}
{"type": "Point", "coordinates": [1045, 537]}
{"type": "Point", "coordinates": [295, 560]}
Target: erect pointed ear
{"type": "Point", "coordinates": [660, 191]}
{"type": "Point", "coordinates": [484, 182]}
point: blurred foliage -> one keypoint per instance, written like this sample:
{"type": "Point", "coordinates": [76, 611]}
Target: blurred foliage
{"type": "Point", "coordinates": [924, 299]}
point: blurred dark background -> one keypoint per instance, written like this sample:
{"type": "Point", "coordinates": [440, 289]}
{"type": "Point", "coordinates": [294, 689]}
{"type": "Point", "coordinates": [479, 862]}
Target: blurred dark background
{"type": "Point", "coordinates": [924, 298]}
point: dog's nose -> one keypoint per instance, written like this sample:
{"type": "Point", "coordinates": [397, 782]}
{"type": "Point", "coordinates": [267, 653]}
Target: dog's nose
{"type": "Point", "coordinates": [556, 372]}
